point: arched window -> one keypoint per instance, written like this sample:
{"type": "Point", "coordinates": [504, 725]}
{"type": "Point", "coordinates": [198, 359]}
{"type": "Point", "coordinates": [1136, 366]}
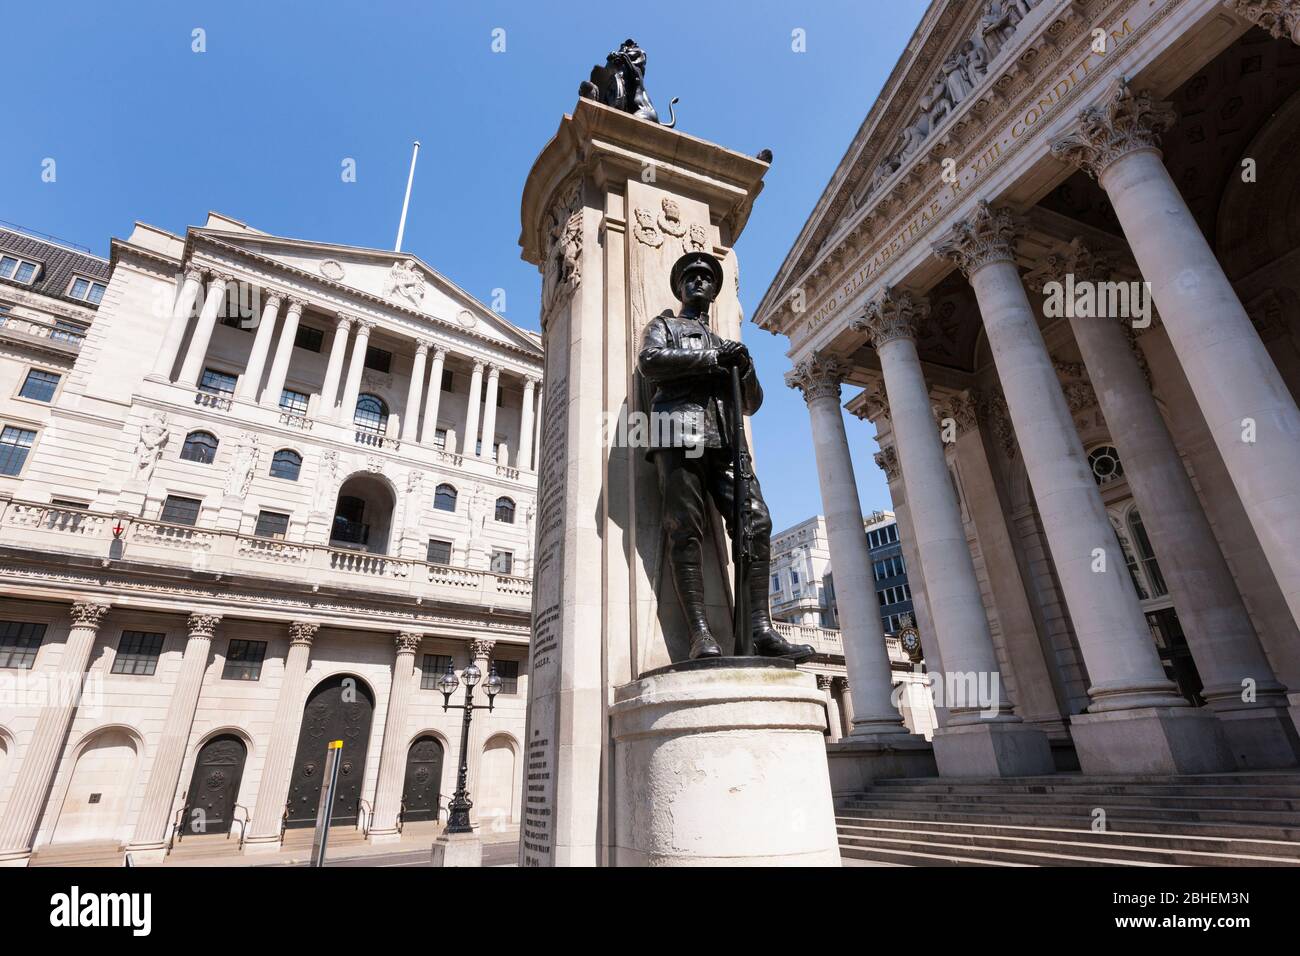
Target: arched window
{"type": "Point", "coordinates": [506, 510]}
{"type": "Point", "coordinates": [200, 447]}
{"type": "Point", "coordinates": [1105, 464]}
{"type": "Point", "coordinates": [287, 464]}
{"type": "Point", "coordinates": [371, 414]}
{"type": "Point", "coordinates": [1146, 554]}
{"type": "Point", "coordinates": [444, 498]}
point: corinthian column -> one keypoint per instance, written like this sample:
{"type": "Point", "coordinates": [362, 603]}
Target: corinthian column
{"type": "Point", "coordinates": [1136, 722]}
{"type": "Point", "coordinates": [982, 736]}
{"type": "Point", "coordinates": [1280, 18]}
{"type": "Point", "coordinates": [1224, 645]}
{"type": "Point", "coordinates": [273, 791]}
{"type": "Point", "coordinates": [472, 410]}
{"type": "Point", "coordinates": [411, 414]}
{"type": "Point", "coordinates": [490, 414]}
{"type": "Point", "coordinates": [392, 758]}
{"type": "Point", "coordinates": [1246, 404]}
{"type": "Point", "coordinates": [179, 322]}
{"type": "Point", "coordinates": [865, 657]}
{"type": "Point", "coordinates": [198, 350]}
{"type": "Point", "coordinates": [283, 355]}
{"type": "Point", "coordinates": [154, 822]}
{"type": "Point", "coordinates": [329, 390]}
{"type": "Point", "coordinates": [40, 760]}
{"type": "Point", "coordinates": [252, 377]}
{"type": "Point", "coordinates": [524, 461]}
{"type": "Point", "coordinates": [429, 430]}
{"type": "Point", "coordinates": [352, 387]}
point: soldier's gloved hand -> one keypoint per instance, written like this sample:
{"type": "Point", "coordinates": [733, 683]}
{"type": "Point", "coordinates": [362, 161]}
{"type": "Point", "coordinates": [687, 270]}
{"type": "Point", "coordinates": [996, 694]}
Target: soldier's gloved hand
{"type": "Point", "coordinates": [733, 354]}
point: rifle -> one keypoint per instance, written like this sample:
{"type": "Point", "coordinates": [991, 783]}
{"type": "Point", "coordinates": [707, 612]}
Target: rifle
{"type": "Point", "coordinates": [741, 551]}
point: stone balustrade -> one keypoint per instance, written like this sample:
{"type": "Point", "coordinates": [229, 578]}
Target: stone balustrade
{"type": "Point", "coordinates": [20, 326]}
{"type": "Point", "coordinates": [33, 525]}
{"type": "Point", "coordinates": [824, 640]}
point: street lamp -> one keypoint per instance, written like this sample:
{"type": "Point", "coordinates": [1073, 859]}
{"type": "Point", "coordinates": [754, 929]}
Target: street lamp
{"type": "Point", "coordinates": [458, 810]}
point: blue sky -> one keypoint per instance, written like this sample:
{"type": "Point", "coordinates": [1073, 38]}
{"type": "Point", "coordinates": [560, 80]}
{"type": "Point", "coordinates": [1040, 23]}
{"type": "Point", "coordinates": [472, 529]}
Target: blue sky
{"type": "Point", "coordinates": [141, 127]}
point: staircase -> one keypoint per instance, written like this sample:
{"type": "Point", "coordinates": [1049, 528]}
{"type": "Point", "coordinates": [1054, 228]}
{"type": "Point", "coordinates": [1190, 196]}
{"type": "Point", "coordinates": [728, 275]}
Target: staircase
{"type": "Point", "coordinates": [96, 853]}
{"type": "Point", "coordinates": [1240, 819]}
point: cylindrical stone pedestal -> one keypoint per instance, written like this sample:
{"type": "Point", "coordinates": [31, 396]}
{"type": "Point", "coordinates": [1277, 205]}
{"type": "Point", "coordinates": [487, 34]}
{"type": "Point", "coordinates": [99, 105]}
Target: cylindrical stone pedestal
{"type": "Point", "coordinates": [722, 762]}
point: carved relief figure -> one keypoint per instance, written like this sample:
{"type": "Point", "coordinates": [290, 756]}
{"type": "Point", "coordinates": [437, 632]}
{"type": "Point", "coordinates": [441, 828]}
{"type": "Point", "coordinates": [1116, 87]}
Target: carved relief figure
{"type": "Point", "coordinates": [404, 279]}
{"type": "Point", "coordinates": [149, 446]}
{"type": "Point", "coordinates": [998, 24]}
{"type": "Point", "coordinates": [240, 476]}
{"type": "Point", "coordinates": [955, 77]}
{"type": "Point", "coordinates": [564, 259]}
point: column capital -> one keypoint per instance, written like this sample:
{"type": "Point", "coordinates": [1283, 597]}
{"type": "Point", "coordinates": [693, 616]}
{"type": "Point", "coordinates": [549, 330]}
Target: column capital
{"type": "Point", "coordinates": [274, 300]}
{"type": "Point", "coordinates": [1124, 122]}
{"type": "Point", "coordinates": [195, 272]}
{"type": "Point", "coordinates": [1280, 18]}
{"type": "Point", "coordinates": [422, 346]}
{"type": "Point", "coordinates": [303, 632]}
{"type": "Point", "coordinates": [987, 235]}
{"type": "Point", "coordinates": [88, 613]}
{"type": "Point", "coordinates": [439, 352]}
{"type": "Point", "coordinates": [408, 642]}
{"type": "Point", "coordinates": [875, 404]}
{"type": "Point", "coordinates": [296, 303]}
{"type": "Point", "coordinates": [817, 376]}
{"type": "Point", "coordinates": [202, 625]}
{"type": "Point", "coordinates": [481, 649]}
{"type": "Point", "coordinates": [1076, 259]}
{"type": "Point", "coordinates": [364, 327]}
{"type": "Point", "coordinates": [893, 314]}
{"type": "Point", "coordinates": [532, 381]}
{"type": "Point", "coordinates": [478, 366]}
{"type": "Point", "coordinates": [222, 278]}
{"type": "Point", "coordinates": [844, 684]}
{"type": "Point", "coordinates": [824, 681]}
{"type": "Point", "coordinates": [343, 321]}
{"type": "Point", "coordinates": [494, 370]}
{"type": "Point", "coordinates": [887, 461]}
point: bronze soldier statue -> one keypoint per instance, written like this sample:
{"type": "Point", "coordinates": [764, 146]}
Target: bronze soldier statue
{"type": "Point", "coordinates": [695, 444]}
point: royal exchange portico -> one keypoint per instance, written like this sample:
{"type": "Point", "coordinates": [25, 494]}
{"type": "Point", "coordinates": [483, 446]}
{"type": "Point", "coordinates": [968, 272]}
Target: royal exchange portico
{"type": "Point", "coordinates": [1099, 506]}
{"type": "Point", "coordinates": [284, 484]}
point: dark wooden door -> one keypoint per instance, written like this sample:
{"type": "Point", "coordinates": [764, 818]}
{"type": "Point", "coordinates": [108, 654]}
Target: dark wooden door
{"type": "Point", "coordinates": [214, 785]}
{"type": "Point", "coordinates": [339, 708]}
{"type": "Point", "coordinates": [423, 780]}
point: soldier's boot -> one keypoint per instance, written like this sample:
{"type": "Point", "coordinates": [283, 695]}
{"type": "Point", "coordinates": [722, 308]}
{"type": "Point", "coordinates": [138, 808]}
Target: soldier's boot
{"type": "Point", "coordinates": [690, 588]}
{"type": "Point", "coordinates": [767, 642]}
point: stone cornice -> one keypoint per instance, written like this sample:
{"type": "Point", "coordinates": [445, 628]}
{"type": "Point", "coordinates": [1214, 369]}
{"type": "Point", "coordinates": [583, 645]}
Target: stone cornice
{"type": "Point", "coordinates": [1124, 122]}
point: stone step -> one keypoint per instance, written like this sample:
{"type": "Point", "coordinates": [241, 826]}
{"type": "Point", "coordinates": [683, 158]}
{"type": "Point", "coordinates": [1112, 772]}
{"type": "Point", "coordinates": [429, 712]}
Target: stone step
{"type": "Point", "coordinates": [301, 838]}
{"type": "Point", "coordinates": [208, 845]}
{"type": "Point", "coordinates": [1082, 813]}
{"type": "Point", "coordinates": [1284, 778]}
{"type": "Point", "coordinates": [897, 856]}
{"type": "Point", "coordinates": [1251, 791]}
{"type": "Point", "coordinates": [97, 853]}
{"type": "Point", "coordinates": [1050, 817]}
{"type": "Point", "coordinates": [1174, 802]}
{"type": "Point", "coordinates": [1174, 850]}
{"type": "Point", "coordinates": [1044, 853]}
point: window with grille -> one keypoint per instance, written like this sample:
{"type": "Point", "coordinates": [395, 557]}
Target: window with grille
{"type": "Point", "coordinates": [371, 414]}
{"type": "Point", "coordinates": [444, 498]}
{"type": "Point", "coordinates": [217, 383]}
{"type": "Point", "coordinates": [137, 653]}
{"type": "Point", "coordinates": [65, 331]}
{"type": "Point", "coordinates": [294, 402]}
{"type": "Point", "coordinates": [440, 439]}
{"type": "Point", "coordinates": [287, 464]}
{"type": "Point", "coordinates": [503, 562]}
{"type": "Point", "coordinates": [39, 385]}
{"type": "Point", "coordinates": [271, 524]}
{"type": "Point", "coordinates": [505, 510]}
{"type": "Point", "coordinates": [508, 671]}
{"type": "Point", "coordinates": [19, 270]}
{"type": "Point", "coordinates": [200, 447]}
{"type": "Point", "coordinates": [433, 667]}
{"type": "Point", "coordinates": [179, 510]}
{"type": "Point", "coordinates": [1105, 464]}
{"type": "Point", "coordinates": [244, 660]}
{"type": "Point", "coordinates": [15, 446]}
{"type": "Point", "coordinates": [87, 290]}
{"type": "Point", "coordinates": [19, 642]}
{"type": "Point", "coordinates": [439, 552]}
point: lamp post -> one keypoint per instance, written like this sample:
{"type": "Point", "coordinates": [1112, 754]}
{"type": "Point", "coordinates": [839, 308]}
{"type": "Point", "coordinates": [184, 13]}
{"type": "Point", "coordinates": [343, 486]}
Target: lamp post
{"type": "Point", "coordinates": [458, 810]}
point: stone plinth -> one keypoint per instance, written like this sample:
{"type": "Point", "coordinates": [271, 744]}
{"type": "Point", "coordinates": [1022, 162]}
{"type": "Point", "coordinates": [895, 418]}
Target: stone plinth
{"type": "Point", "coordinates": [722, 763]}
{"type": "Point", "coordinates": [992, 748]}
{"type": "Point", "coordinates": [457, 849]}
{"type": "Point", "coordinates": [1163, 740]}
{"type": "Point", "coordinates": [858, 761]}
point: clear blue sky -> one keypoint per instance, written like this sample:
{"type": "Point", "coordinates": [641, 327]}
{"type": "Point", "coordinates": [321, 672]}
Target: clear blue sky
{"type": "Point", "coordinates": [143, 128]}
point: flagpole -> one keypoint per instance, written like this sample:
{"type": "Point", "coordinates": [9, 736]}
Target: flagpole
{"type": "Point", "coordinates": [401, 226]}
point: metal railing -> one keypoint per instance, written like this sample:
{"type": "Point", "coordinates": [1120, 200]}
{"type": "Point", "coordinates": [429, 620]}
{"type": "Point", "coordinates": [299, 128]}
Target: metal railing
{"type": "Point", "coordinates": [365, 817]}
{"type": "Point", "coordinates": [243, 822]}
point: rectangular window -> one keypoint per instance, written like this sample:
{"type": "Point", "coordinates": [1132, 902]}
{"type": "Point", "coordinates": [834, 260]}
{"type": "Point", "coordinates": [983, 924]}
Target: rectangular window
{"type": "Point", "coordinates": [271, 524]}
{"type": "Point", "coordinates": [4, 315]}
{"type": "Point", "coordinates": [794, 577]}
{"type": "Point", "coordinates": [448, 380]}
{"type": "Point", "coordinates": [244, 660]}
{"type": "Point", "coordinates": [776, 582]}
{"type": "Point", "coordinates": [15, 445]}
{"type": "Point", "coordinates": [378, 359]}
{"type": "Point", "coordinates": [508, 671]}
{"type": "Point", "coordinates": [439, 552]}
{"type": "Point", "coordinates": [137, 653]}
{"type": "Point", "coordinates": [69, 503]}
{"type": "Point", "coordinates": [39, 385]}
{"type": "Point", "coordinates": [19, 642]}
{"type": "Point", "coordinates": [433, 667]}
{"type": "Point", "coordinates": [179, 510]}
{"type": "Point", "coordinates": [881, 596]}
{"type": "Point", "coordinates": [217, 383]}
{"type": "Point", "coordinates": [440, 439]}
{"type": "Point", "coordinates": [65, 331]}
{"type": "Point", "coordinates": [502, 562]}
{"type": "Point", "coordinates": [20, 270]}
{"type": "Point", "coordinates": [308, 338]}
{"type": "Point", "coordinates": [87, 290]}
{"type": "Point", "coordinates": [294, 402]}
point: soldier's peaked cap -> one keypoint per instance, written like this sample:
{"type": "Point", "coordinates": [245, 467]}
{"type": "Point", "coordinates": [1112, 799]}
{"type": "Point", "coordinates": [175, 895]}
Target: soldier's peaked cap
{"type": "Point", "coordinates": [690, 263]}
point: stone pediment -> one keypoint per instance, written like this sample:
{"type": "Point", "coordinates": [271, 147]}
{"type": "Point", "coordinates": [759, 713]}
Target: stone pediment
{"type": "Point", "coordinates": [397, 279]}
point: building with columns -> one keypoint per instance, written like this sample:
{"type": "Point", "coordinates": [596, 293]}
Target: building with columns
{"type": "Point", "coordinates": [1055, 273]}
{"type": "Point", "coordinates": [277, 489]}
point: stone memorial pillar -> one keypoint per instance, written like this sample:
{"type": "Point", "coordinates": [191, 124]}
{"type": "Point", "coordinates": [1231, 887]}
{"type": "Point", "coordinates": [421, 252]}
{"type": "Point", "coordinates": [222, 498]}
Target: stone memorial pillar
{"type": "Point", "coordinates": [609, 206]}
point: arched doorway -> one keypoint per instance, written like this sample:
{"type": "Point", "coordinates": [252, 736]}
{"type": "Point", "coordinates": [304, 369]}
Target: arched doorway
{"type": "Point", "coordinates": [495, 799]}
{"type": "Point", "coordinates": [99, 789]}
{"type": "Point", "coordinates": [339, 708]}
{"type": "Point", "coordinates": [363, 514]}
{"type": "Point", "coordinates": [214, 785]}
{"type": "Point", "coordinates": [423, 783]}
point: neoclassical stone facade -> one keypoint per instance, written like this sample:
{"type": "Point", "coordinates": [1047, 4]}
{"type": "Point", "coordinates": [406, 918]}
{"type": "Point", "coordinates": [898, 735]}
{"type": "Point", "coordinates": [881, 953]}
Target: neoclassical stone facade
{"type": "Point", "coordinates": [282, 485]}
{"type": "Point", "coordinates": [1059, 263]}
